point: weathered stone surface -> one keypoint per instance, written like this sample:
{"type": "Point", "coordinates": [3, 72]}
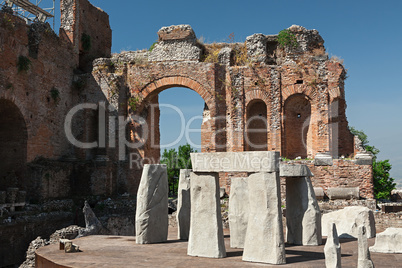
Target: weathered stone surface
{"type": "Point", "coordinates": [396, 195]}
{"type": "Point", "coordinates": [323, 159]}
{"type": "Point", "coordinates": [364, 158]}
{"type": "Point", "coordinates": [303, 216]}
{"type": "Point", "coordinates": [183, 205]}
{"type": "Point", "coordinates": [69, 247]}
{"type": "Point", "coordinates": [307, 39]}
{"type": "Point", "coordinates": [332, 249]}
{"type": "Point", "coordinates": [295, 171]}
{"type": "Point", "coordinates": [176, 32]}
{"type": "Point", "coordinates": [343, 193]}
{"type": "Point", "coordinates": [224, 56]}
{"type": "Point", "coordinates": [389, 241]}
{"type": "Point", "coordinates": [363, 260]}
{"type": "Point", "coordinates": [151, 218]}
{"type": "Point", "coordinates": [347, 221]}
{"type": "Point", "coordinates": [175, 51]}
{"type": "Point", "coordinates": [257, 47]}
{"type": "Point", "coordinates": [238, 211]}
{"type": "Point", "coordinates": [235, 162]}
{"type": "Point", "coordinates": [264, 238]}
{"type": "Point", "coordinates": [206, 231]}
{"type": "Point", "coordinates": [176, 43]}
{"type": "Point", "coordinates": [92, 224]}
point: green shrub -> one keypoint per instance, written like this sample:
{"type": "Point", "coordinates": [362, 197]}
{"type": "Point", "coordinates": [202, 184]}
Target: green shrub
{"type": "Point", "coordinates": [23, 64]}
{"type": "Point", "coordinates": [152, 46]}
{"type": "Point", "coordinates": [55, 94]}
{"type": "Point", "coordinates": [86, 42]}
{"type": "Point", "coordinates": [287, 39]}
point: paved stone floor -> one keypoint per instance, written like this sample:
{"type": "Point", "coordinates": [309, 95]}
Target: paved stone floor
{"type": "Point", "coordinates": [122, 251]}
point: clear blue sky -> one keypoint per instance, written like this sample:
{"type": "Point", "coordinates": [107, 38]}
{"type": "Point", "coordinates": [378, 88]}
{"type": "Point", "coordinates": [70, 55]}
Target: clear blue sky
{"type": "Point", "coordinates": [366, 34]}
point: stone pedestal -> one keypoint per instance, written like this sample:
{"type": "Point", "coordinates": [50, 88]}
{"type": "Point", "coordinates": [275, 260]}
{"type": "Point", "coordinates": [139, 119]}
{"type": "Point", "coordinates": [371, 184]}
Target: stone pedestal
{"type": "Point", "coordinates": [151, 218]}
{"type": "Point", "coordinates": [303, 216]}
{"type": "Point", "coordinates": [206, 231]}
{"type": "Point", "coordinates": [183, 205]}
{"type": "Point", "coordinates": [238, 211]}
{"type": "Point", "coordinates": [264, 238]}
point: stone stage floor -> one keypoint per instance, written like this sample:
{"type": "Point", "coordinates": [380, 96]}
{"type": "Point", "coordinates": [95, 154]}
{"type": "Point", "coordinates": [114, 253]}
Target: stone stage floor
{"type": "Point", "coordinates": [122, 251]}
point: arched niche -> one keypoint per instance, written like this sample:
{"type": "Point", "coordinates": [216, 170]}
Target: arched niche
{"type": "Point", "coordinates": [297, 129]}
{"type": "Point", "coordinates": [13, 146]}
{"type": "Point", "coordinates": [256, 130]}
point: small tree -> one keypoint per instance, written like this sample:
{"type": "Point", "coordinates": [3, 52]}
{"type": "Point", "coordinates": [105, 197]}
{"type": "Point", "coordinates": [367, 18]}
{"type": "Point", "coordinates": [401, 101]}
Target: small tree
{"type": "Point", "coordinates": [176, 160]}
{"type": "Point", "coordinates": [383, 183]}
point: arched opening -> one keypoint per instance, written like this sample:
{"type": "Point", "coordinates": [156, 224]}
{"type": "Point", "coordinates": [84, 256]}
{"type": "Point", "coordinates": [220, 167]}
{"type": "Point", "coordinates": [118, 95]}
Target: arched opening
{"type": "Point", "coordinates": [256, 136]}
{"type": "Point", "coordinates": [180, 118]}
{"type": "Point", "coordinates": [13, 146]}
{"type": "Point", "coordinates": [297, 130]}
{"type": "Point", "coordinates": [175, 126]}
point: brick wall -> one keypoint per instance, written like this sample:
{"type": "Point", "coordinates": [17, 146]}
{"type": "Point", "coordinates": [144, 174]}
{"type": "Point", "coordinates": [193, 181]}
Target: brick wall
{"type": "Point", "coordinates": [343, 173]}
{"type": "Point", "coordinates": [36, 101]}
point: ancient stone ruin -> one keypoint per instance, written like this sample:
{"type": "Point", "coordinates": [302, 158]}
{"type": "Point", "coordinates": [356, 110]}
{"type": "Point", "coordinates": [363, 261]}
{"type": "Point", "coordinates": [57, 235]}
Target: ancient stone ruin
{"type": "Point", "coordinates": [77, 121]}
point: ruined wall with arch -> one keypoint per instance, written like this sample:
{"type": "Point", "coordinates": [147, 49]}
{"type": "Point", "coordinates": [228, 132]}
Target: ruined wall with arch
{"type": "Point", "coordinates": [296, 94]}
{"type": "Point", "coordinates": [246, 88]}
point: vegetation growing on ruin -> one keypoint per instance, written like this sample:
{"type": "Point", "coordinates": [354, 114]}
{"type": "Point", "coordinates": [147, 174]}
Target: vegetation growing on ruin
{"type": "Point", "coordinates": [152, 46]}
{"type": "Point", "coordinates": [86, 42]}
{"type": "Point", "coordinates": [23, 64]}
{"type": "Point", "coordinates": [133, 103]}
{"type": "Point", "coordinates": [211, 53]}
{"type": "Point", "coordinates": [176, 160]}
{"type": "Point", "coordinates": [240, 55]}
{"type": "Point", "coordinates": [55, 94]}
{"type": "Point", "coordinates": [6, 22]}
{"type": "Point", "coordinates": [383, 183]}
{"type": "Point", "coordinates": [287, 39]}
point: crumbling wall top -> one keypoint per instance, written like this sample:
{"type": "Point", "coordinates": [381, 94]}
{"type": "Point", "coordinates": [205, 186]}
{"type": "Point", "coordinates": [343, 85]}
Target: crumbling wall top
{"type": "Point", "coordinates": [177, 32]}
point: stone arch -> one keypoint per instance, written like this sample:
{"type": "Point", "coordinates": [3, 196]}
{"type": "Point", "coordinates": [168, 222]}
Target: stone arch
{"type": "Point", "coordinates": [257, 95]}
{"type": "Point", "coordinates": [256, 127]}
{"type": "Point", "coordinates": [13, 145]}
{"type": "Point", "coordinates": [157, 86]}
{"type": "Point", "coordinates": [297, 129]}
{"type": "Point", "coordinates": [149, 96]}
{"type": "Point", "coordinates": [291, 90]}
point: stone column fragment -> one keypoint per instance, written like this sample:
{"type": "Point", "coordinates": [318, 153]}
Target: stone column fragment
{"type": "Point", "coordinates": [364, 260]}
{"type": "Point", "coordinates": [264, 238]}
{"type": "Point", "coordinates": [332, 249]}
{"type": "Point", "coordinates": [238, 211]}
{"type": "Point", "coordinates": [303, 215]}
{"type": "Point", "coordinates": [206, 231]}
{"type": "Point", "coordinates": [183, 205]}
{"type": "Point", "coordinates": [151, 217]}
